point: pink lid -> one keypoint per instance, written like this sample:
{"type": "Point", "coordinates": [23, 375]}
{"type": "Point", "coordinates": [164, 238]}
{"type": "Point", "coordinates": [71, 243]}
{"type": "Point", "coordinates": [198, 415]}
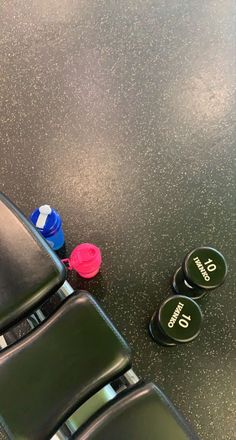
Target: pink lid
{"type": "Point", "coordinates": [86, 259]}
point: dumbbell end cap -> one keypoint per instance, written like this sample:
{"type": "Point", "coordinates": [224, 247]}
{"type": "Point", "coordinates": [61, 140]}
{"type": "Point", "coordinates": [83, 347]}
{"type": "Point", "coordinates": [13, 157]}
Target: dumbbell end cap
{"type": "Point", "coordinates": [170, 308]}
{"type": "Point", "coordinates": [198, 272]}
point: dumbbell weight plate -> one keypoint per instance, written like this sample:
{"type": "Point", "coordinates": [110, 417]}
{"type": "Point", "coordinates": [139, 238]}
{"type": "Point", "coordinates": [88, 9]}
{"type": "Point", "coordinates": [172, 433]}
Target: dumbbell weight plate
{"type": "Point", "coordinates": [205, 268]}
{"type": "Point", "coordinates": [181, 286]}
{"type": "Point", "coordinates": [180, 318]}
{"type": "Point", "coordinates": [157, 334]}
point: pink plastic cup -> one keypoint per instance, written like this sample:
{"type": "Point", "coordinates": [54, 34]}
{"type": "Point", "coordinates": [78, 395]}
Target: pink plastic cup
{"type": "Point", "coordinates": [86, 259]}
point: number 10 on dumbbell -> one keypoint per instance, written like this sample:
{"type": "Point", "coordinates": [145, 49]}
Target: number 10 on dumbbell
{"type": "Point", "coordinates": [177, 320]}
{"type": "Point", "coordinates": [203, 269]}
{"type": "Point", "coordinates": [183, 321]}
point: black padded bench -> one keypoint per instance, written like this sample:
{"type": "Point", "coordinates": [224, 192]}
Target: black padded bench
{"type": "Point", "coordinates": [142, 412]}
{"type": "Point", "coordinates": [45, 376]}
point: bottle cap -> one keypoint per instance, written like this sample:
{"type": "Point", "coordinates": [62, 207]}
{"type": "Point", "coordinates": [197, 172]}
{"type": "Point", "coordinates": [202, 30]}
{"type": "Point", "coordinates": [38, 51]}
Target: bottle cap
{"type": "Point", "coordinates": [46, 220]}
{"type": "Point", "coordinates": [86, 259]}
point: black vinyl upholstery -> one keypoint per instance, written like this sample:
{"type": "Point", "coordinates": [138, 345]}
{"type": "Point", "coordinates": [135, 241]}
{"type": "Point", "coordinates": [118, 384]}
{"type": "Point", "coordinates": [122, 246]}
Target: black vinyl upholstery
{"type": "Point", "coordinates": [29, 269]}
{"type": "Point", "coordinates": [140, 413]}
{"type": "Point", "coordinates": [45, 376]}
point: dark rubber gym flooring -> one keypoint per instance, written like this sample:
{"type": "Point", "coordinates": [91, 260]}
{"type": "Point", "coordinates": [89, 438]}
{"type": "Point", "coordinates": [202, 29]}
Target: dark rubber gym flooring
{"type": "Point", "coordinates": [121, 114]}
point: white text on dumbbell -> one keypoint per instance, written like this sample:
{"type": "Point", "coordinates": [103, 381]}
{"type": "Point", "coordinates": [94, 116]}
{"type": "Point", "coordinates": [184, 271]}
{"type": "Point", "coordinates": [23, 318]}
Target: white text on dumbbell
{"type": "Point", "coordinates": [183, 321]}
{"type": "Point", "coordinates": [210, 266]}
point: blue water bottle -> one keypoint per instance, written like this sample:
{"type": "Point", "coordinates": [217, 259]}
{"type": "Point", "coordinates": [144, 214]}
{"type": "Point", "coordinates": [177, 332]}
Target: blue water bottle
{"type": "Point", "coordinates": [48, 222]}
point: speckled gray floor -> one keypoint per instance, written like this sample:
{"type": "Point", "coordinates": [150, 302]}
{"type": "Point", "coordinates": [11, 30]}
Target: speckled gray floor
{"type": "Point", "coordinates": [122, 116]}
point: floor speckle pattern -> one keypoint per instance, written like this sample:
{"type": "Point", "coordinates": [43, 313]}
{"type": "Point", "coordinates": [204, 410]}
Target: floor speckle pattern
{"type": "Point", "coordinates": [122, 116]}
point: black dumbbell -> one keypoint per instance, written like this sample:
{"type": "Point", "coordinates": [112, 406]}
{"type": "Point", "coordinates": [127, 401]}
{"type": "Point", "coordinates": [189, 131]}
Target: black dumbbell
{"type": "Point", "coordinates": [177, 320]}
{"type": "Point", "coordinates": [203, 269]}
